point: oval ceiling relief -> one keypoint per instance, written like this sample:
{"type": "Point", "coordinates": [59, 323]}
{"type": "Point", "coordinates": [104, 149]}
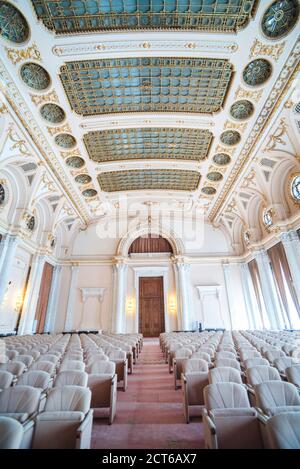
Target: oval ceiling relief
{"type": "Point", "coordinates": [214, 176]}
{"type": "Point", "coordinates": [209, 190]}
{"type": "Point", "coordinates": [35, 76]}
{"type": "Point", "coordinates": [221, 159]}
{"type": "Point", "coordinates": [65, 140]}
{"type": "Point", "coordinates": [257, 72]}
{"type": "Point", "coordinates": [52, 113]}
{"type": "Point", "coordinates": [280, 18]}
{"type": "Point", "coordinates": [83, 179]}
{"type": "Point", "coordinates": [241, 110]}
{"type": "Point", "coordinates": [230, 137]}
{"type": "Point", "coordinates": [13, 25]}
{"type": "Point", "coordinates": [89, 193]}
{"type": "Point", "coordinates": [75, 162]}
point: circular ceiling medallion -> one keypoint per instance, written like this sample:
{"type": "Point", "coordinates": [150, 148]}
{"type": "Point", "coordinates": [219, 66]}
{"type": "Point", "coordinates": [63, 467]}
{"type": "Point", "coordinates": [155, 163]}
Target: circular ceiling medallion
{"type": "Point", "coordinates": [214, 176]}
{"type": "Point", "coordinates": [257, 72]}
{"type": "Point", "coordinates": [35, 76]}
{"type": "Point", "coordinates": [83, 179]}
{"type": "Point", "coordinates": [221, 159]}
{"type": "Point", "coordinates": [230, 137]}
{"type": "Point", "coordinates": [75, 162]}
{"type": "Point", "coordinates": [89, 193]}
{"type": "Point", "coordinates": [13, 25]}
{"type": "Point", "coordinates": [65, 140]}
{"type": "Point", "coordinates": [280, 18]}
{"type": "Point", "coordinates": [52, 113]}
{"type": "Point", "coordinates": [242, 109]}
{"type": "Point", "coordinates": [2, 194]}
{"type": "Point", "coordinates": [208, 190]}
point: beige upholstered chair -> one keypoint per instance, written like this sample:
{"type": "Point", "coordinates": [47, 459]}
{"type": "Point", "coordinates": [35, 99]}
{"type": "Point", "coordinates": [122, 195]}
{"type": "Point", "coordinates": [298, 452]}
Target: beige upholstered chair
{"type": "Point", "coordinates": [225, 354]}
{"type": "Point", "coordinates": [203, 355]}
{"type": "Point", "coordinates": [180, 357]}
{"type": "Point", "coordinates": [75, 365]}
{"type": "Point", "coordinates": [11, 354]}
{"type": "Point", "coordinates": [71, 378]}
{"type": "Point", "coordinates": [274, 397]}
{"type": "Point", "coordinates": [293, 375]}
{"type": "Point", "coordinates": [260, 374]}
{"type": "Point", "coordinates": [11, 433]}
{"type": "Point", "coordinates": [283, 431]}
{"type": "Point", "coordinates": [66, 421]}
{"type": "Point", "coordinates": [26, 359]}
{"type": "Point", "coordinates": [285, 362]}
{"type": "Point", "coordinates": [247, 354]}
{"type": "Point", "coordinates": [229, 421]}
{"type": "Point", "coordinates": [48, 367]}
{"type": "Point", "coordinates": [272, 355]}
{"type": "Point", "coordinates": [119, 358]}
{"type": "Point", "coordinates": [15, 368]}
{"type": "Point", "coordinates": [250, 362]}
{"type": "Point", "coordinates": [225, 374]}
{"type": "Point", "coordinates": [21, 403]}
{"type": "Point", "coordinates": [194, 365]}
{"type": "Point", "coordinates": [49, 358]}
{"type": "Point", "coordinates": [228, 362]}
{"type": "Point", "coordinates": [6, 379]}
{"type": "Point", "coordinates": [193, 383]}
{"type": "Point", "coordinates": [102, 380]}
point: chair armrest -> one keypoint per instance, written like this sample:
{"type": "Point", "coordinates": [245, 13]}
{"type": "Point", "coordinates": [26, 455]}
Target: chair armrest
{"type": "Point", "coordinates": [211, 425]}
{"type": "Point", "coordinates": [262, 417]}
{"type": "Point", "coordinates": [86, 421]}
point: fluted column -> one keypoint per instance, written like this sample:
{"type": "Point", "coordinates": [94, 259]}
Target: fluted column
{"type": "Point", "coordinates": [229, 292]}
{"type": "Point", "coordinates": [8, 251]}
{"type": "Point", "coordinates": [53, 299]}
{"type": "Point", "coordinates": [291, 243]}
{"type": "Point", "coordinates": [268, 287]}
{"type": "Point", "coordinates": [120, 278]}
{"type": "Point", "coordinates": [245, 275]}
{"type": "Point", "coordinates": [182, 269]}
{"type": "Point", "coordinates": [71, 299]}
{"type": "Point", "coordinates": [26, 325]}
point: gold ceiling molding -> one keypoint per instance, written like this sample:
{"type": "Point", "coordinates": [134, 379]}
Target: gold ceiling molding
{"type": "Point", "coordinates": [23, 113]}
{"type": "Point", "coordinates": [19, 55]}
{"type": "Point", "coordinates": [3, 109]}
{"type": "Point", "coordinates": [275, 137]}
{"type": "Point", "coordinates": [39, 99]}
{"type": "Point", "coordinates": [18, 143]}
{"type": "Point", "coordinates": [48, 184]}
{"type": "Point", "coordinates": [255, 95]}
{"type": "Point", "coordinates": [57, 130]}
{"type": "Point", "coordinates": [67, 154]}
{"type": "Point", "coordinates": [241, 126]}
{"type": "Point", "coordinates": [272, 50]}
{"type": "Point", "coordinates": [229, 150]}
{"type": "Point", "coordinates": [275, 98]}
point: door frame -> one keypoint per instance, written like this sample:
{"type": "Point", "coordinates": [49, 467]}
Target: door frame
{"type": "Point", "coordinates": [151, 272]}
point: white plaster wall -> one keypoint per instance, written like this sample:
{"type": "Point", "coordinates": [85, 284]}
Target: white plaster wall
{"type": "Point", "coordinates": [238, 305]}
{"type": "Point", "coordinates": [63, 294]}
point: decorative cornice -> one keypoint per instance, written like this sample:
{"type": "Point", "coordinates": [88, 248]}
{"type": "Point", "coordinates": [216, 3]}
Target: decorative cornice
{"type": "Point", "coordinates": [278, 92]}
{"type": "Point", "coordinates": [106, 47]}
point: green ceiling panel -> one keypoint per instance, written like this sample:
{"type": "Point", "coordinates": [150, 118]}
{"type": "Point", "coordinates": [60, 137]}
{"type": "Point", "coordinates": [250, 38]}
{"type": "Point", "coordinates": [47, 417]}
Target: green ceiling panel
{"type": "Point", "coordinates": [79, 16]}
{"type": "Point", "coordinates": [148, 143]}
{"type": "Point", "coordinates": [140, 84]}
{"type": "Point", "coordinates": [149, 179]}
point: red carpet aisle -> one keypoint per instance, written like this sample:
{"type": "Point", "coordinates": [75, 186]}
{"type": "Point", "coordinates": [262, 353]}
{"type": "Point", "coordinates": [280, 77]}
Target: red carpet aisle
{"type": "Point", "coordinates": [149, 413]}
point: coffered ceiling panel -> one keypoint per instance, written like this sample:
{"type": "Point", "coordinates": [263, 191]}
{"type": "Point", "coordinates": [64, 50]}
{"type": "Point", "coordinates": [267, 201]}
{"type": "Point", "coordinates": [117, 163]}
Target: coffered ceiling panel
{"type": "Point", "coordinates": [158, 84]}
{"type": "Point", "coordinates": [79, 16]}
{"type": "Point", "coordinates": [148, 143]}
{"type": "Point", "coordinates": [167, 179]}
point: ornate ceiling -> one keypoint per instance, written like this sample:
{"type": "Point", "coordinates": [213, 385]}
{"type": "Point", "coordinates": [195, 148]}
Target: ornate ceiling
{"type": "Point", "coordinates": [158, 100]}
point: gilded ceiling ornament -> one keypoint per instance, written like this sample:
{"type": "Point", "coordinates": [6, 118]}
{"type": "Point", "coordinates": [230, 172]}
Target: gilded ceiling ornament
{"type": "Point", "coordinates": [52, 113]}
{"type": "Point", "coordinates": [13, 25]}
{"type": "Point", "coordinates": [73, 16]}
{"type": "Point", "coordinates": [18, 143]}
{"type": "Point", "coordinates": [257, 72]}
{"type": "Point", "coordinates": [268, 218]}
{"type": "Point", "coordinates": [56, 130]}
{"type": "Point", "coordinates": [154, 179]}
{"type": "Point", "coordinates": [241, 126]}
{"type": "Point", "coordinates": [2, 194]}
{"type": "Point", "coordinates": [295, 188]}
{"type": "Point", "coordinates": [280, 18]}
{"type": "Point", "coordinates": [89, 193]}
{"type": "Point", "coordinates": [39, 99]}
{"type": "Point", "coordinates": [166, 143]}
{"type": "Point", "coordinates": [65, 140]}
{"type": "Point", "coordinates": [83, 179]}
{"type": "Point", "coordinates": [221, 159]}
{"type": "Point", "coordinates": [214, 176]}
{"type": "Point", "coordinates": [75, 162]}
{"type": "Point", "coordinates": [29, 221]}
{"type": "Point", "coordinates": [208, 190]}
{"type": "Point", "coordinates": [259, 48]}
{"type": "Point", "coordinates": [276, 137]}
{"type": "Point", "coordinates": [230, 137]}
{"type": "Point", "coordinates": [241, 110]}
{"type": "Point", "coordinates": [141, 84]}
{"type": "Point", "coordinates": [3, 109]}
{"type": "Point", "coordinates": [221, 149]}
{"type": "Point", "coordinates": [254, 95]}
{"type": "Point", "coordinates": [35, 76]}
{"type": "Point", "coordinates": [66, 154]}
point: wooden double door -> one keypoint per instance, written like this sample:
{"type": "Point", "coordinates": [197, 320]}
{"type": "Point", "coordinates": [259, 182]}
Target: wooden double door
{"type": "Point", "coordinates": [151, 306]}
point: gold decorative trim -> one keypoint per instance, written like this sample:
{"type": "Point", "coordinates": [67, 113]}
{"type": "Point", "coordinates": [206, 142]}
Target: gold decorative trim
{"type": "Point", "coordinates": [39, 99]}
{"type": "Point", "coordinates": [19, 55]}
{"type": "Point", "coordinates": [254, 95]}
{"type": "Point", "coordinates": [271, 50]}
{"type": "Point", "coordinates": [241, 126]}
{"type": "Point", "coordinates": [276, 137]}
{"type": "Point", "coordinates": [3, 109]}
{"type": "Point", "coordinates": [18, 143]}
{"type": "Point", "coordinates": [229, 150]}
{"type": "Point", "coordinates": [67, 154]}
{"type": "Point", "coordinates": [56, 130]}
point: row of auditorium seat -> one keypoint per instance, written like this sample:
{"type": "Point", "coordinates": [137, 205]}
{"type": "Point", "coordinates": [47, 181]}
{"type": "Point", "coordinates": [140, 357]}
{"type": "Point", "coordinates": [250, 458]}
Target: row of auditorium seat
{"type": "Point", "coordinates": [50, 385]}
{"type": "Point", "coordinates": [246, 383]}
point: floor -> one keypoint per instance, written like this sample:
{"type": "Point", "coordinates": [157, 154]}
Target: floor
{"type": "Point", "coordinates": [150, 413]}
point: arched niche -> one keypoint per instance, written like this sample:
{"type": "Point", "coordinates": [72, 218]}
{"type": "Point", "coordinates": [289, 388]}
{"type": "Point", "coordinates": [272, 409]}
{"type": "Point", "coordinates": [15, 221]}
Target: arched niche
{"type": "Point", "coordinates": [150, 243]}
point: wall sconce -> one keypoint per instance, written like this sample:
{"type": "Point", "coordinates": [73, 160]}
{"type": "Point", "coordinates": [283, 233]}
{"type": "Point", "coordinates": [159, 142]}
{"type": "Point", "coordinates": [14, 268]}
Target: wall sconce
{"type": "Point", "coordinates": [19, 302]}
{"type": "Point", "coordinates": [172, 305]}
{"type": "Point", "coordinates": [130, 306]}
